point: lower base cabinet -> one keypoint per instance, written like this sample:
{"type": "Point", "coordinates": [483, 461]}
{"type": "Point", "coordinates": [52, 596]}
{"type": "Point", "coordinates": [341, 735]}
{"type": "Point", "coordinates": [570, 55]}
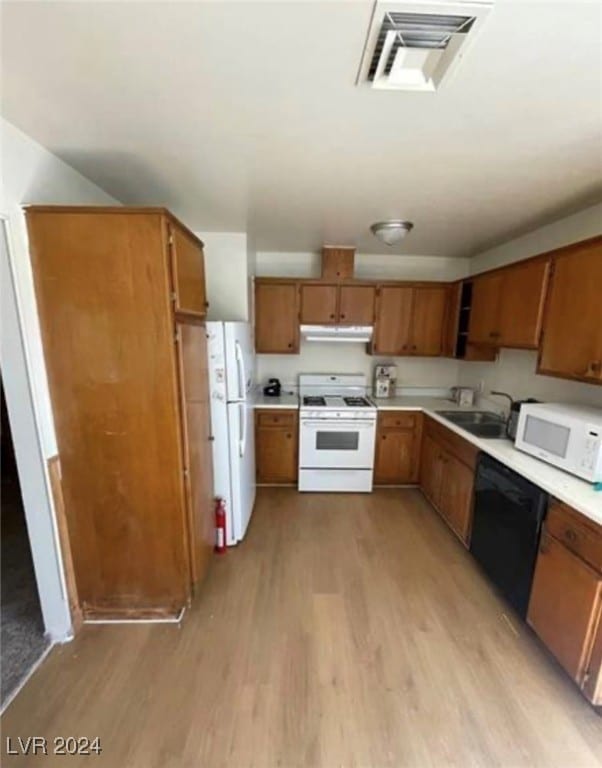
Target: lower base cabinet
{"type": "Point", "coordinates": [565, 609]}
{"type": "Point", "coordinates": [276, 441]}
{"type": "Point", "coordinates": [447, 476]}
{"type": "Point", "coordinates": [397, 456]}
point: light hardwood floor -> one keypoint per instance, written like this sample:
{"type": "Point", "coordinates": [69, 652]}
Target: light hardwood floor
{"type": "Point", "coordinates": [347, 630]}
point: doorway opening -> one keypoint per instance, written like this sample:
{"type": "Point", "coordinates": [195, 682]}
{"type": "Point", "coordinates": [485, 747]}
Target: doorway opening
{"type": "Point", "coordinates": [23, 641]}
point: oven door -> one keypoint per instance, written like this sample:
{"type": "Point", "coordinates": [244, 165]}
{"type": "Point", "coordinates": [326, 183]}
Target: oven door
{"type": "Point", "coordinates": [329, 444]}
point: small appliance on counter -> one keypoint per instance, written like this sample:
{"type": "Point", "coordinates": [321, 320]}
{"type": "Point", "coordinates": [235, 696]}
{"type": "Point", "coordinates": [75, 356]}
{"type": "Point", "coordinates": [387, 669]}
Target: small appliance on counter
{"type": "Point", "coordinates": [385, 380]}
{"type": "Point", "coordinates": [514, 415]}
{"type": "Point", "coordinates": [567, 436]}
{"type": "Point", "coordinates": [463, 396]}
{"type": "Point", "coordinates": [272, 388]}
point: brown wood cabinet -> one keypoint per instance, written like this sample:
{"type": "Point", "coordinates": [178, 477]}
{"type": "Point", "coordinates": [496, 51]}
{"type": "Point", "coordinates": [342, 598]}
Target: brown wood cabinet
{"type": "Point", "coordinates": [572, 335]}
{"type": "Point", "coordinates": [276, 445]}
{"type": "Point", "coordinates": [447, 476]}
{"type": "Point", "coordinates": [128, 386]}
{"type": "Point", "coordinates": [455, 326]}
{"type": "Point", "coordinates": [410, 320]}
{"type": "Point", "coordinates": [329, 304]}
{"type": "Point", "coordinates": [428, 321]}
{"type": "Point", "coordinates": [393, 319]}
{"type": "Point", "coordinates": [484, 314]}
{"type": "Point", "coordinates": [319, 303]}
{"type": "Point", "coordinates": [188, 267]}
{"type": "Point", "coordinates": [337, 262]}
{"type": "Point", "coordinates": [276, 316]}
{"type": "Point", "coordinates": [356, 304]}
{"type": "Point", "coordinates": [507, 305]}
{"type": "Point", "coordinates": [397, 456]}
{"type": "Point", "coordinates": [565, 608]}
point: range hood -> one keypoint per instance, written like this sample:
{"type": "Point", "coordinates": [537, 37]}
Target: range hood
{"type": "Point", "coordinates": [340, 333]}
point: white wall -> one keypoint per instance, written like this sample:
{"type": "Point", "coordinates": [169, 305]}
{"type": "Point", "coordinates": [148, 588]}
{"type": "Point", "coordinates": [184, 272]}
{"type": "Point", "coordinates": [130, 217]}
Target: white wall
{"type": "Point", "coordinates": [368, 266]}
{"type": "Point", "coordinates": [571, 229]}
{"type": "Point", "coordinates": [514, 371]}
{"type": "Point", "coordinates": [31, 174]}
{"type": "Point", "coordinates": [226, 273]}
{"type": "Point", "coordinates": [352, 358]}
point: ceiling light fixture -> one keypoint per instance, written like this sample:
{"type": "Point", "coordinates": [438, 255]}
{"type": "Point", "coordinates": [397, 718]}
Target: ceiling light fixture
{"type": "Point", "coordinates": [392, 231]}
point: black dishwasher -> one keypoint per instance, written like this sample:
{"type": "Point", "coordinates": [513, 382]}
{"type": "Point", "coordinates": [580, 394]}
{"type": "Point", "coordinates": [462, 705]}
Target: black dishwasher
{"type": "Point", "coordinates": [508, 514]}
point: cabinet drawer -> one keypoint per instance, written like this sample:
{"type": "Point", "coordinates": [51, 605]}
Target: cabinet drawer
{"type": "Point", "coordinates": [578, 534]}
{"type": "Point", "coordinates": [275, 418]}
{"type": "Point", "coordinates": [398, 419]}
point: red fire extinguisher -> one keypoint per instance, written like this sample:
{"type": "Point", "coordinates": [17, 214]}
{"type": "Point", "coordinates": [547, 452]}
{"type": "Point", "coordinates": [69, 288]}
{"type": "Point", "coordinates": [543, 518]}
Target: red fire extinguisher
{"type": "Point", "coordinates": [220, 526]}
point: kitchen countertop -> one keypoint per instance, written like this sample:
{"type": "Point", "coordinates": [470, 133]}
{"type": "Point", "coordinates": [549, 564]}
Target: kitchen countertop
{"type": "Point", "coordinates": [575, 492]}
{"type": "Point", "coordinates": [285, 400]}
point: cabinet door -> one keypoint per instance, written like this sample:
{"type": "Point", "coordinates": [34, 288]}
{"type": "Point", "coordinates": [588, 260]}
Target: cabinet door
{"type": "Point", "coordinates": [452, 319]}
{"type": "Point", "coordinates": [319, 304]}
{"type": "Point", "coordinates": [522, 303]}
{"type": "Point", "coordinates": [564, 605]}
{"type": "Point", "coordinates": [393, 316]}
{"type": "Point", "coordinates": [356, 304]}
{"type": "Point", "coordinates": [456, 495]}
{"type": "Point", "coordinates": [431, 470]}
{"type": "Point", "coordinates": [428, 317]}
{"type": "Point", "coordinates": [196, 433]}
{"type": "Point", "coordinates": [484, 315]}
{"type": "Point", "coordinates": [395, 459]}
{"type": "Point", "coordinates": [276, 454]}
{"type": "Point", "coordinates": [572, 334]}
{"type": "Point", "coordinates": [188, 273]}
{"type": "Point", "coordinates": [276, 318]}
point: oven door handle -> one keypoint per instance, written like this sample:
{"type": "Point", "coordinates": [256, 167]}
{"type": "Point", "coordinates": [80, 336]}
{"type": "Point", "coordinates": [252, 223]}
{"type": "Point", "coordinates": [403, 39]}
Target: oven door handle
{"type": "Point", "coordinates": [333, 425]}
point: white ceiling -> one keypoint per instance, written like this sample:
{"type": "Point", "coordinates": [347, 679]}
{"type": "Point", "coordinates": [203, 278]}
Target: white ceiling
{"type": "Point", "coordinates": [245, 116]}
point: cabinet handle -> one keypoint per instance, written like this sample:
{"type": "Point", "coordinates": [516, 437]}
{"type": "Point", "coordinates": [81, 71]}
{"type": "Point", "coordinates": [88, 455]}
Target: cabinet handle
{"type": "Point", "coordinates": [290, 345]}
{"type": "Point", "coordinates": [384, 437]}
{"type": "Point", "coordinates": [342, 315]}
{"type": "Point", "coordinates": [570, 535]}
{"type": "Point", "coordinates": [289, 435]}
{"type": "Point", "coordinates": [414, 347]}
{"type": "Point", "coordinates": [405, 346]}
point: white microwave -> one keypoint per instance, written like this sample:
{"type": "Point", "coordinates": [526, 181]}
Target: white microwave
{"type": "Point", "coordinates": [568, 436]}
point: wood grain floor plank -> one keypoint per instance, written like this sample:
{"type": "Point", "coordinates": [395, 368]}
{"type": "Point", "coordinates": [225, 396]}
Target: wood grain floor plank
{"type": "Point", "coordinates": [347, 630]}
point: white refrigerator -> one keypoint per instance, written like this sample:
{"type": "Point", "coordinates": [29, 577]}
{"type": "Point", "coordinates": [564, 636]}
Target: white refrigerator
{"type": "Point", "coordinates": [231, 379]}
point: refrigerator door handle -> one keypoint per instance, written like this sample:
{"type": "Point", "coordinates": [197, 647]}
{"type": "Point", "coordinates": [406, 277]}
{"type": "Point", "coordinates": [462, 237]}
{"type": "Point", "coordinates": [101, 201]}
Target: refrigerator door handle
{"type": "Point", "coordinates": [242, 430]}
{"type": "Point", "coordinates": [240, 366]}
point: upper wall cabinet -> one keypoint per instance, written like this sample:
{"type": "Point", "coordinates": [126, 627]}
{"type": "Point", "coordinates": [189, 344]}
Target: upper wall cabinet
{"type": "Point", "coordinates": [410, 320]}
{"type": "Point", "coordinates": [276, 316]}
{"type": "Point", "coordinates": [572, 335]}
{"type": "Point", "coordinates": [329, 303]}
{"type": "Point", "coordinates": [188, 276]}
{"type": "Point", "coordinates": [319, 303]}
{"type": "Point", "coordinates": [507, 306]}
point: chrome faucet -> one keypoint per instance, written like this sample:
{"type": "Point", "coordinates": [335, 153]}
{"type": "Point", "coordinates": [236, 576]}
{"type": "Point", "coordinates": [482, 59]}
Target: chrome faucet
{"type": "Point", "coordinates": [503, 394]}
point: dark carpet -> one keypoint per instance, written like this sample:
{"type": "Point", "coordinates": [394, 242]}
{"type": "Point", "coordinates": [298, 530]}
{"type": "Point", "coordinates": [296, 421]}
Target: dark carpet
{"type": "Point", "coordinates": [22, 630]}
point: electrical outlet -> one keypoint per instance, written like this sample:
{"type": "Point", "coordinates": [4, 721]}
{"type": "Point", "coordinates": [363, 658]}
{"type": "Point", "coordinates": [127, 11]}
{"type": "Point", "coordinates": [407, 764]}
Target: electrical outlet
{"type": "Point", "coordinates": [481, 386]}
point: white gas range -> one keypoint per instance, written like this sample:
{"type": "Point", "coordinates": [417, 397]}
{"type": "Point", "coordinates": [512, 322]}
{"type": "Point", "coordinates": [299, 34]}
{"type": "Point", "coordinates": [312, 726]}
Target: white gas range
{"type": "Point", "coordinates": [337, 431]}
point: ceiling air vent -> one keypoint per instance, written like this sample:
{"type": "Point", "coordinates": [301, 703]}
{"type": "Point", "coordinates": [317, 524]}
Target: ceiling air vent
{"type": "Point", "coordinates": [413, 46]}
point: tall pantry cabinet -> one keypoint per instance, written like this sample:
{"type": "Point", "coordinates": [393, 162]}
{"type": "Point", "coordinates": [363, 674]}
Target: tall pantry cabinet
{"type": "Point", "coordinates": [121, 301]}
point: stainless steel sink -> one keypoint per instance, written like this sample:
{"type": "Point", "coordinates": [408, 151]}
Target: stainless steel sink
{"type": "Point", "coordinates": [479, 423]}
